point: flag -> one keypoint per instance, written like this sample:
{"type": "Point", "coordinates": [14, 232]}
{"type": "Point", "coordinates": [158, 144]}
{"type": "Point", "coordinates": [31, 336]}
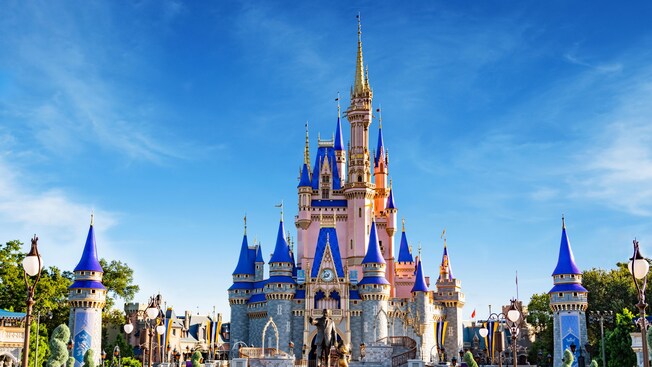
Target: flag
{"type": "Point", "coordinates": [473, 314]}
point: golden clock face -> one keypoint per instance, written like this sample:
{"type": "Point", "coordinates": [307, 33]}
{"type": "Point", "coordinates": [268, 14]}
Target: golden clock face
{"type": "Point", "coordinates": [327, 275]}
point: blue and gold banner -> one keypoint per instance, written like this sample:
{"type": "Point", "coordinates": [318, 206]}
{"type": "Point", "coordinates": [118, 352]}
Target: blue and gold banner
{"type": "Point", "coordinates": [440, 334]}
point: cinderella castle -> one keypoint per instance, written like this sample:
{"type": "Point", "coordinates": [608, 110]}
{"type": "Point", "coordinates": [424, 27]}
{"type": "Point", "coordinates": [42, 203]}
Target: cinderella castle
{"type": "Point", "coordinates": [346, 259]}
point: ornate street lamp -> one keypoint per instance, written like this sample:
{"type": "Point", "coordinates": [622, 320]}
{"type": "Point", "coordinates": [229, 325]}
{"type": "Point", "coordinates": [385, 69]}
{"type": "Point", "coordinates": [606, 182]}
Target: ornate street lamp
{"type": "Point", "coordinates": [498, 334]}
{"type": "Point", "coordinates": [103, 357]}
{"type": "Point", "coordinates": [639, 267]}
{"type": "Point", "coordinates": [153, 323]}
{"type": "Point", "coordinates": [514, 322]}
{"type": "Point", "coordinates": [32, 268]}
{"type": "Point", "coordinates": [116, 355]}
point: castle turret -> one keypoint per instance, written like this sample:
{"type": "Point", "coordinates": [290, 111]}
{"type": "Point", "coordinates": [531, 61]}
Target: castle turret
{"type": "Point", "coordinates": [568, 300]}
{"type": "Point", "coordinates": [380, 171]}
{"type": "Point", "coordinates": [280, 288]}
{"type": "Point", "coordinates": [374, 290]}
{"type": "Point", "coordinates": [87, 298]}
{"type": "Point", "coordinates": [340, 153]}
{"type": "Point", "coordinates": [451, 298]}
{"type": "Point", "coordinates": [240, 292]}
{"type": "Point", "coordinates": [259, 264]}
{"type": "Point", "coordinates": [404, 274]}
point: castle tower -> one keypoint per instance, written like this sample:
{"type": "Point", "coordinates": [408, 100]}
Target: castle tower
{"type": "Point", "coordinates": [404, 276]}
{"type": "Point", "coordinates": [420, 297]}
{"type": "Point", "coordinates": [87, 297]}
{"type": "Point", "coordinates": [568, 300]}
{"type": "Point", "coordinates": [280, 288]}
{"type": "Point", "coordinates": [374, 291]}
{"type": "Point", "coordinates": [240, 292]}
{"type": "Point", "coordinates": [359, 190]}
{"type": "Point", "coordinates": [340, 153]}
{"type": "Point", "coordinates": [452, 300]}
{"type": "Point", "coordinates": [259, 264]}
{"type": "Point", "coordinates": [390, 228]}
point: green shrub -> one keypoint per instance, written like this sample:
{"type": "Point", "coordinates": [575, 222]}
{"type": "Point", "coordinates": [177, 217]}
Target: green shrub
{"type": "Point", "coordinates": [568, 358]}
{"type": "Point", "coordinates": [468, 358]}
{"type": "Point", "coordinates": [130, 362]}
{"type": "Point", "coordinates": [89, 358]}
{"type": "Point", "coordinates": [594, 363]}
{"type": "Point", "coordinates": [58, 349]}
{"type": "Point", "coordinates": [196, 359]}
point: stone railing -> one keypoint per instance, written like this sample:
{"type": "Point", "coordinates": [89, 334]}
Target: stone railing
{"type": "Point", "coordinates": [407, 343]}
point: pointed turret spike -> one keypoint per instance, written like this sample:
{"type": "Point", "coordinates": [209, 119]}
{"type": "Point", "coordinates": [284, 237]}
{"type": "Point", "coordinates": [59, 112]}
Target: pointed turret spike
{"type": "Point", "coordinates": [245, 225]}
{"type": "Point", "coordinates": [338, 104]}
{"type": "Point", "coordinates": [380, 117]}
{"type": "Point", "coordinates": [360, 83]}
{"type": "Point", "coordinates": [563, 222]}
{"type": "Point", "coordinates": [92, 218]}
{"type": "Point", "coordinates": [402, 224]}
{"type": "Point", "coordinates": [306, 153]}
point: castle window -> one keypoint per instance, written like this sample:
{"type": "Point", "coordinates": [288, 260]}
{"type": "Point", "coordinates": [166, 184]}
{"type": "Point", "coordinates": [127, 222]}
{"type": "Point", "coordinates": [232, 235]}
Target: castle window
{"type": "Point", "coordinates": [324, 193]}
{"type": "Point", "coordinates": [381, 245]}
{"type": "Point", "coordinates": [93, 291]}
{"type": "Point", "coordinates": [351, 244]}
{"type": "Point", "coordinates": [575, 294]}
{"type": "Point", "coordinates": [359, 212]}
{"type": "Point", "coordinates": [561, 295]}
{"type": "Point", "coordinates": [279, 310]}
{"type": "Point", "coordinates": [78, 291]}
{"type": "Point", "coordinates": [359, 178]}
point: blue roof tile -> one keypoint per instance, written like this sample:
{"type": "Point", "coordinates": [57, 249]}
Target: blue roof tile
{"type": "Point", "coordinates": [281, 279]}
{"type": "Point", "coordinates": [566, 261]}
{"type": "Point", "coordinates": [245, 265]}
{"type": "Point", "coordinates": [373, 280]}
{"type": "Point", "coordinates": [404, 255]}
{"type": "Point", "coordinates": [323, 152]}
{"type": "Point", "coordinates": [329, 203]}
{"type": "Point", "coordinates": [420, 280]}
{"type": "Point", "coordinates": [259, 297]}
{"type": "Point", "coordinates": [390, 200]}
{"type": "Point", "coordinates": [354, 294]}
{"type": "Point", "coordinates": [373, 249]}
{"type": "Point", "coordinates": [305, 176]}
{"type": "Point", "coordinates": [88, 261]}
{"type": "Point", "coordinates": [331, 234]}
{"type": "Point", "coordinates": [281, 250]}
{"type": "Point", "coordinates": [241, 285]}
{"type": "Point", "coordinates": [5, 314]}
{"type": "Point", "coordinates": [90, 284]}
{"type": "Point", "coordinates": [339, 143]}
{"type": "Point", "coordinates": [300, 294]}
{"type": "Point", "coordinates": [568, 287]}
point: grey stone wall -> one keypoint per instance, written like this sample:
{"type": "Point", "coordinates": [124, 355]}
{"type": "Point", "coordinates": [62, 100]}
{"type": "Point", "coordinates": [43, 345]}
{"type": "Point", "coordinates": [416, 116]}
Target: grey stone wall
{"type": "Point", "coordinates": [282, 319]}
{"type": "Point", "coordinates": [239, 324]}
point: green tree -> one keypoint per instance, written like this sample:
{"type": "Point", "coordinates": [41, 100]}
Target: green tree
{"type": "Point", "coordinates": [43, 346]}
{"type": "Point", "coordinates": [540, 318]}
{"type": "Point", "coordinates": [618, 343]}
{"type": "Point", "coordinates": [119, 281]}
{"type": "Point", "coordinates": [130, 362]}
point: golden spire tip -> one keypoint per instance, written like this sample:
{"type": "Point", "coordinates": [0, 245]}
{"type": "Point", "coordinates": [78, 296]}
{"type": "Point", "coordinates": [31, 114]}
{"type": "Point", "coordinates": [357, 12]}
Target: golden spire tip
{"type": "Point", "coordinates": [403, 224]}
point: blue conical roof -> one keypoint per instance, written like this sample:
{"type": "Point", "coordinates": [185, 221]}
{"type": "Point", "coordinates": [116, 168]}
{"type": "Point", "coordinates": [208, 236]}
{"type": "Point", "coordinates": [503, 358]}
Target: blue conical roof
{"type": "Point", "coordinates": [339, 144]}
{"type": "Point", "coordinates": [305, 176]}
{"type": "Point", "coordinates": [88, 261]}
{"type": "Point", "coordinates": [420, 280]}
{"type": "Point", "coordinates": [373, 250]}
{"type": "Point", "coordinates": [282, 249]}
{"type": "Point", "coordinates": [259, 254]}
{"type": "Point", "coordinates": [390, 200]}
{"type": "Point", "coordinates": [380, 148]}
{"type": "Point", "coordinates": [566, 260]}
{"type": "Point", "coordinates": [245, 265]}
{"type": "Point", "coordinates": [404, 255]}
{"type": "Point", "coordinates": [445, 266]}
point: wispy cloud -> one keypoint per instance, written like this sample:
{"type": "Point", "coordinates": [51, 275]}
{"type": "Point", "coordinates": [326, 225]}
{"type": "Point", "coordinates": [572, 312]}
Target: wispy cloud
{"type": "Point", "coordinates": [606, 68]}
{"type": "Point", "coordinates": [53, 215]}
{"type": "Point", "coordinates": [70, 88]}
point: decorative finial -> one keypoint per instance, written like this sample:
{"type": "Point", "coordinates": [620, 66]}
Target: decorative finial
{"type": "Point", "coordinates": [360, 85]}
{"type": "Point", "coordinates": [390, 183]}
{"type": "Point", "coordinates": [563, 222]}
{"type": "Point", "coordinates": [380, 113]}
{"type": "Point", "coordinates": [410, 248]}
{"type": "Point", "coordinates": [403, 224]}
{"type": "Point", "coordinates": [92, 218]}
{"type": "Point", "coordinates": [280, 206]}
{"type": "Point", "coordinates": [306, 153]}
{"type": "Point", "coordinates": [245, 225]}
{"type": "Point", "coordinates": [338, 104]}
{"type": "Point", "coordinates": [443, 236]}
{"type": "Point", "coordinates": [419, 250]}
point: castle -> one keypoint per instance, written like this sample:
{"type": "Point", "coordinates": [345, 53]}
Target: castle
{"type": "Point", "coordinates": [345, 257]}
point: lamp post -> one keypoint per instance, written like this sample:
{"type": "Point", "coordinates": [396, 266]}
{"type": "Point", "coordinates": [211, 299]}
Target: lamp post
{"type": "Point", "coordinates": [116, 356]}
{"type": "Point", "coordinates": [602, 316]}
{"type": "Point", "coordinates": [639, 267]}
{"type": "Point", "coordinates": [153, 324]}
{"type": "Point", "coordinates": [31, 268]}
{"type": "Point", "coordinates": [103, 357]}
{"type": "Point", "coordinates": [514, 322]}
{"type": "Point", "coordinates": [484, 332]}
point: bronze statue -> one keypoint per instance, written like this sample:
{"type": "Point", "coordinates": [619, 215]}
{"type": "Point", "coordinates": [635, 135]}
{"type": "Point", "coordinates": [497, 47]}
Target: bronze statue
{"type": "Point", "coordinates": [345, 354]}
{"type": "Point", "coordinates": [326, 337]}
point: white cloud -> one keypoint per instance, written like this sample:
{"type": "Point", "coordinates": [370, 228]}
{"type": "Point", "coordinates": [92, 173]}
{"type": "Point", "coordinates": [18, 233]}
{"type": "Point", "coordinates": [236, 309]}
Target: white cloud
{"type": "Point", "coordinates": [59, 220]}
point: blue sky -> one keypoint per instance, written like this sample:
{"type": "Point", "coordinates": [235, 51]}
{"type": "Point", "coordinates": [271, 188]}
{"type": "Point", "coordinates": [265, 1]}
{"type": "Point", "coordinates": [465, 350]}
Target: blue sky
{"type": "Point", "coordinates": [171, 120]}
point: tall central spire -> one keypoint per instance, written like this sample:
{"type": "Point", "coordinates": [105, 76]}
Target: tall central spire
{"type": "Point", "coordinates": [361, 84]}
